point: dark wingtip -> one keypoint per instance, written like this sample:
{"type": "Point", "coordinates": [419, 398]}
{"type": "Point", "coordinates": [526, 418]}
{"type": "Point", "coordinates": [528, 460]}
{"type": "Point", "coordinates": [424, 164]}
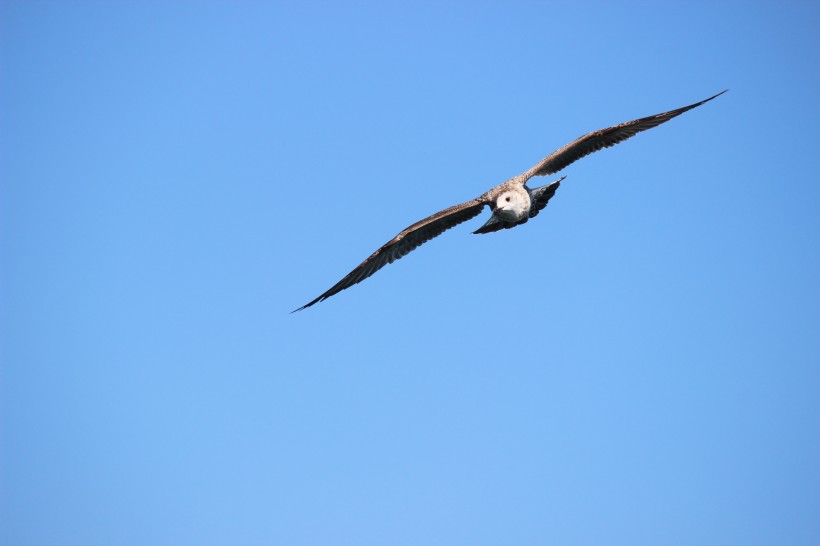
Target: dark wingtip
{"type": "Point", "coordinates": [713, 96]}
{"type": "Point", "coordinates": [305, 306]}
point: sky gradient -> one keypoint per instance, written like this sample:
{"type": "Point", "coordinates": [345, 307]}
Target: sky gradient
{"type": "Point", "coordinates": [639, 365]}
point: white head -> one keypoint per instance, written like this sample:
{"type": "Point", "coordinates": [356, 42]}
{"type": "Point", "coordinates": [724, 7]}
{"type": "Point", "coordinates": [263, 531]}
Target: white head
{"type": "Point", "coordinates": [512, 205]}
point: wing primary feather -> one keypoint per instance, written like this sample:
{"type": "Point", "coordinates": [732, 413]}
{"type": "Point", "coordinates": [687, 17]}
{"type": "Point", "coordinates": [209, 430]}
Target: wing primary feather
{"type": "Point", "coordinates": [402, 244]}
{"type": "Point", "coordinates": [603, 138]}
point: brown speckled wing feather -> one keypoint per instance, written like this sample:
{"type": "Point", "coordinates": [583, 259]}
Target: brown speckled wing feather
{"type": "Point", "coordinates": [604, 138]}
{"type": "Point", "coordinates": [405, 242]}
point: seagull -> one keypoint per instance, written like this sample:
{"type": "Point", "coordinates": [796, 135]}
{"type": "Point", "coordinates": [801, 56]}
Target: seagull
{"type": "Point", "coordinates": [512, 202]}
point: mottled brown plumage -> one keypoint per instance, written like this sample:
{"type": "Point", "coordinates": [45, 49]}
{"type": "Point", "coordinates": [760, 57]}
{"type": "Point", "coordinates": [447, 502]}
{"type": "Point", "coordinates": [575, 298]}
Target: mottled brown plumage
{"type": "Point", "coordinates": [512, 202]}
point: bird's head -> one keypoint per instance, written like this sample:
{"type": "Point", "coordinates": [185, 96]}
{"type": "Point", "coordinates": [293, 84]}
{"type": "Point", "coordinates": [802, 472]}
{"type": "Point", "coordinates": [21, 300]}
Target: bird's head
{"type": "Point", "coordinates": [510, 205]}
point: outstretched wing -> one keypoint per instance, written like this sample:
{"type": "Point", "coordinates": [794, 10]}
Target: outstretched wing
{"type": "Point", "coordinates": [604, 138]}
{"type": "Point", "coordinates": [539, 198]}
{"type": "Point", "coordinates": [404, 243]}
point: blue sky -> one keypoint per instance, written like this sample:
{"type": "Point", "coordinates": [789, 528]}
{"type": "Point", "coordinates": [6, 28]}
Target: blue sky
{"type": "Point", "coordinates": [638, 365]}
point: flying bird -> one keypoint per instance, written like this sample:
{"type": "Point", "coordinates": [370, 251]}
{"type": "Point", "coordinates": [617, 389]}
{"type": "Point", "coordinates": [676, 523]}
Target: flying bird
{"type": "Point", "coordinates": [512, 202]}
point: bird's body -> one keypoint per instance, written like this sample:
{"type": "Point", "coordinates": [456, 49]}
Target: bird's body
{"type": "Point", "coordinates": [512, 202]}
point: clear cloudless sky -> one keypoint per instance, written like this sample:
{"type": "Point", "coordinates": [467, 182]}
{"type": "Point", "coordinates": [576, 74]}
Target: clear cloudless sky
{"type": "Point", "coordinates": [639, 365]}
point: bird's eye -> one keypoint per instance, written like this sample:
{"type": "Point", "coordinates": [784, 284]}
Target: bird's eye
{"type": "Point", "coordinates": [508, 199]}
